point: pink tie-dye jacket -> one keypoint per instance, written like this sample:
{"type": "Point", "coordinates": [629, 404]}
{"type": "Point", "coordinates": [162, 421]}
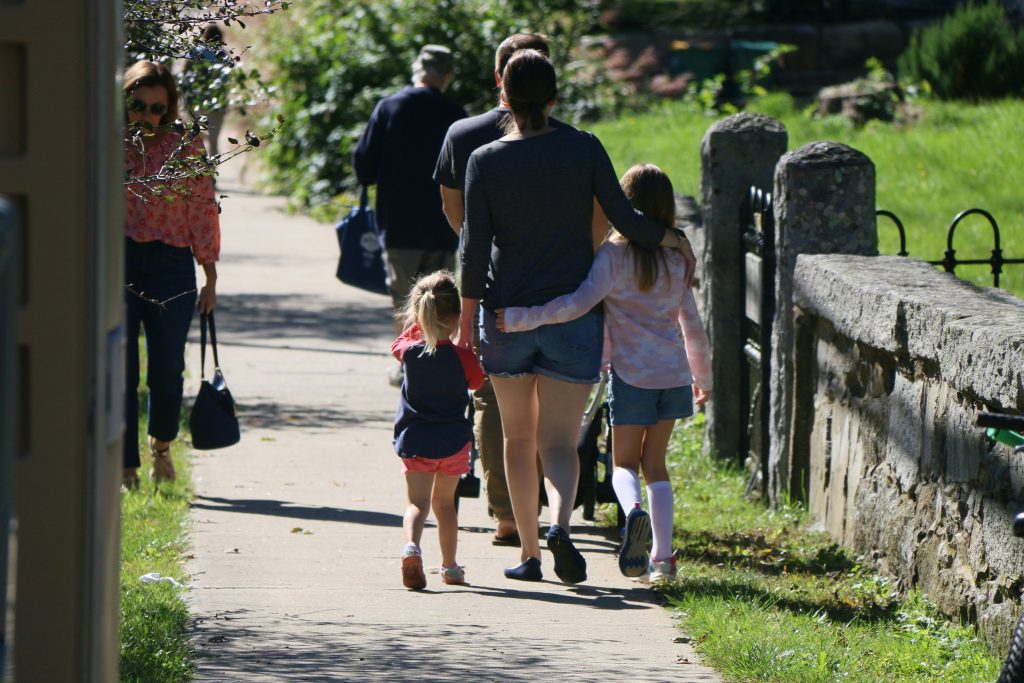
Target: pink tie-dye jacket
{"type": "Point", "coordinates": [648, 350]}
{"type": "Point", "coordinates": [184, 214]}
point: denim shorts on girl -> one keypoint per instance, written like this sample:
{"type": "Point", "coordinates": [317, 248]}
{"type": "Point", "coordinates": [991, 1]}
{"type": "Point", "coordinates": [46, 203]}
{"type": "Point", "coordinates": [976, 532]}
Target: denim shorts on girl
{"type": "Point", "coordinates": [452, 465]}
{"type": "Point", "coordinates": [629, 405]}
{"type": "Point", "coordinates": [570, 352]}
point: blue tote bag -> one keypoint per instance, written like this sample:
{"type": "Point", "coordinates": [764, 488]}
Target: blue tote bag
{"type": "Point", "coordinates": [361, 263]}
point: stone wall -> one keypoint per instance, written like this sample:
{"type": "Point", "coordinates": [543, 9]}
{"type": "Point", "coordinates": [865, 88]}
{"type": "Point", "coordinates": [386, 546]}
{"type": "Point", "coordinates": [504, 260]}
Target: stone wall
{"type": "Point", "coordinates": [893, 359]}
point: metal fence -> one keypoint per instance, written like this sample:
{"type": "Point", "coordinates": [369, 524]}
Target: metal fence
{"type": "Point", "coordinates": [759, 292]}
{"type": "Point", "coordinates": [950, 262]}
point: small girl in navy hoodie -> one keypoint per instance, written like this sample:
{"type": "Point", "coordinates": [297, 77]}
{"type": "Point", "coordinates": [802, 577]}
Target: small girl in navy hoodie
{"type": "Point", "coordinates": [432, 434]}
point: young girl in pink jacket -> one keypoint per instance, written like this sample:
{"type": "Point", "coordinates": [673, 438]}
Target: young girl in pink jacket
{"type": "Point", "coordinates": [657, 374]}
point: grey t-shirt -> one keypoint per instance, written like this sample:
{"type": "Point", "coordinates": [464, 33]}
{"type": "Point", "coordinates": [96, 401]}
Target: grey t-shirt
{"type": "Point", "coordinates": [529, 208]}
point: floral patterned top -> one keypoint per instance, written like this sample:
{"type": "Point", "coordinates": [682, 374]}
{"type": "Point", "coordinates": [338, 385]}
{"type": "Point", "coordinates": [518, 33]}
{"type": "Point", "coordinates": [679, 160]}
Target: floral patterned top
{"type": "Point", "coordinates": [183, 216]}
{"type": "Point", "coordinates": [657, 337]}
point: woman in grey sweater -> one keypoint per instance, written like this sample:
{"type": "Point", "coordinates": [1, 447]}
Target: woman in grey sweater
{"type": "Point", "coordinates": [528, 239]}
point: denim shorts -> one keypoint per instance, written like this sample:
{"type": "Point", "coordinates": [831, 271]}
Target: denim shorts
{"type": "Point", "coordinates": [570, 352]}
{"type": "Point", "coordinates": [629, 405]}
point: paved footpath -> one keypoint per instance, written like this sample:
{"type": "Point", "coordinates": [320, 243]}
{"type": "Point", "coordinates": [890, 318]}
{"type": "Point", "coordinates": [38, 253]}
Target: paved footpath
{"type": "Point", "coordinates": [296, 531]}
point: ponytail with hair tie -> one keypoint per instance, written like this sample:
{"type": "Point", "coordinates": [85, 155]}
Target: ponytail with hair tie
{"type": "Point", "coordinates": [432, 303]}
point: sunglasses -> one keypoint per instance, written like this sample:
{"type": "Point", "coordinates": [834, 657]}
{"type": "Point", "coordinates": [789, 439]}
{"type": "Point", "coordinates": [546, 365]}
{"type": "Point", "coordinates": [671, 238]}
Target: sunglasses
{"type": "Point", "coordinates": [137, 106]}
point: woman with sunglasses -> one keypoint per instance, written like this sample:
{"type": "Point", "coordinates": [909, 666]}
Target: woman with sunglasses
{"type": "Point", "coordinates": [171, 218]}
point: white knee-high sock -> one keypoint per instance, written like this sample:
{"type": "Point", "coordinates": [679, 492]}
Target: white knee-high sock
{"type": "Point", "coordinates": [626, 483]}
{"type": "Point", "coordinates": [661, 500]}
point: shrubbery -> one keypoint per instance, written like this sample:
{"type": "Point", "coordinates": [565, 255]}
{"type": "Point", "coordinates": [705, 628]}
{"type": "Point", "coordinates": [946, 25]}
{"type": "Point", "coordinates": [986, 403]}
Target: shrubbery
{"type": "Point", "coordinates": [974, 53]}
{"type": "Point", "coordinates": [336, 58]}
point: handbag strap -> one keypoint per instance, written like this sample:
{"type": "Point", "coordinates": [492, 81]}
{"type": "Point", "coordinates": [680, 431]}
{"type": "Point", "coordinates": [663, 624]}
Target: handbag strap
{"type": "Point", "coordinates": [364, 200]}
{"type": "Point", "coordinates": [204, 320]}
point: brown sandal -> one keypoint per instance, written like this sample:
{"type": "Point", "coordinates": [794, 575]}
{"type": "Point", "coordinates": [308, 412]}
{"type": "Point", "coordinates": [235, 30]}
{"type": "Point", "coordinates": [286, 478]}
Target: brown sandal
{"type": "Point", "coordinates": [163, 466]}
{"type": "Point", "coordinates": [129, 479]}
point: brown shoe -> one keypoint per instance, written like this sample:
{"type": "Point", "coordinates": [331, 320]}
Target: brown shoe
{"type": "Point", "coordinates": [163, 466]}
{"type": "Point", "coordinates": [129, 479]}
{"type": "Point", "coordinates": [413, 577]}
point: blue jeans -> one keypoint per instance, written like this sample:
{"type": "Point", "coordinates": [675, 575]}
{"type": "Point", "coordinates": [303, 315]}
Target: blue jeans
{"type": "Point", "coordinates": [158, 271]}
{"type": "Point", "coordinates": [630, 405]}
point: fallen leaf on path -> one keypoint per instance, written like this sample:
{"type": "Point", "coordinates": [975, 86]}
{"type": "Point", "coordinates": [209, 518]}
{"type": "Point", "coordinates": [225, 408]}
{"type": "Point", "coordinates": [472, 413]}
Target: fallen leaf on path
{"type": "Point", "coordinates": [297, 530]}
{"type": "Point", "coordinates": [217, 639]}
{"type": "Point", "coordinates": [682, 639]}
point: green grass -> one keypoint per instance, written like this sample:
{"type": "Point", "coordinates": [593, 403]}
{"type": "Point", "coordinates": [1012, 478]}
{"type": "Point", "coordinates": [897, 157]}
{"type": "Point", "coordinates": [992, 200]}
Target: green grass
{"type": "Point", "coordinates": [767, 600]}
{"type": "Point", "coordinates": [154, 644]}
{"type": "Point", "coordinates": [954, 156]}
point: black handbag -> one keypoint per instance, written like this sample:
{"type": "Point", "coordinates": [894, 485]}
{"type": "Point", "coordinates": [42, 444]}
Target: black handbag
{"type": "Point", "coordinates": [361, 263]}
{"type": "Point", "coordinates": [469, 483]}
{"type": "Point", "coordinates": [213, 421]}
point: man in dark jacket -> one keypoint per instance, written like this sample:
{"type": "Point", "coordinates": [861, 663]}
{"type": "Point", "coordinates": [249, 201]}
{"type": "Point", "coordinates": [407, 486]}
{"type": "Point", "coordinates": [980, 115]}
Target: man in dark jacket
{"type": "Point", "coordinates": [397, 153]}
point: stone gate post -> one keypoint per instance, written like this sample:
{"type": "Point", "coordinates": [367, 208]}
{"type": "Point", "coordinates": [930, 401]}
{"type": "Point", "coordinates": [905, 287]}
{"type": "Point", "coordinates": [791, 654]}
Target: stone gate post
{"type": "Point", "coordinates": [824, 204]}
{"type": "Point", "coordinates": [737, 152]}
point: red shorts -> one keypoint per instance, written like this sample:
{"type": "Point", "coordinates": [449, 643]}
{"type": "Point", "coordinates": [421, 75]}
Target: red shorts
{"type": "Point", "coordinates": [454, 465]}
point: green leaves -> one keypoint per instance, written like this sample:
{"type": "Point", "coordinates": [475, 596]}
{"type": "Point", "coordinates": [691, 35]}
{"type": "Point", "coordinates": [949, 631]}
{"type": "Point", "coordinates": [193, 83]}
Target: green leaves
{"type": "Point", "coordinates": [341, 57]}
{"type": "Point", "coordinates": [974, 53]}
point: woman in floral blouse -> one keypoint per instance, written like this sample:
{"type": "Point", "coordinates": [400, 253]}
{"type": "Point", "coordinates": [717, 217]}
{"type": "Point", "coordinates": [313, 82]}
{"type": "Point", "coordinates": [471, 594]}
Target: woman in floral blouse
{"type": "Point", "coordinates": [171, 217]}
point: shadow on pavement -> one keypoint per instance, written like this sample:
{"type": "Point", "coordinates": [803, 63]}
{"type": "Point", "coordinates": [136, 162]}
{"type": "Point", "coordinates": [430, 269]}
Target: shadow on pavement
{"type": "Point", "coordinates": [280, 508]}
{"type": "Point", "coordinates": [282, 416]}
{"type": "Point", "coordinates": [579, 595]}
{"type": "Point", "coordinates": [348, 650]}
{"type": "Point", "coordinates": [299, 347]}
{"type": "Point", "coordinates": [294, 316]}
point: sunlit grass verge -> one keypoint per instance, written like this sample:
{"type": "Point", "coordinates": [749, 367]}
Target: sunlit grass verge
{"type": "Point", "coordinates": [952, 157]}
{"type": "Point", "coordinates": [154, 644]}
{"type": "Point", "coordinates": [766, 600]}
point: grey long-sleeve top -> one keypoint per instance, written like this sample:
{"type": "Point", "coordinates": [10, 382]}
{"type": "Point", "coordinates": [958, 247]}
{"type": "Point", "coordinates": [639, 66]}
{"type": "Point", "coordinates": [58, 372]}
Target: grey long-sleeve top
{"type": "Point", "coordinates": [529, 208]}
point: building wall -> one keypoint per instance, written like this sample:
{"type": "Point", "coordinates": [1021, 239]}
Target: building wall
{"type": "Point", "coordinates": [60, 162]}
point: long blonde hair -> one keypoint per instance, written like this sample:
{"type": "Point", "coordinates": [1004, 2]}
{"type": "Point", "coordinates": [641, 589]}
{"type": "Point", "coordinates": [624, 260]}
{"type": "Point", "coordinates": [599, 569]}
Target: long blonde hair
{"type": "Point", "coordinates": [650, 191]}
{"type": "Point", "coordinates": [432, 304]}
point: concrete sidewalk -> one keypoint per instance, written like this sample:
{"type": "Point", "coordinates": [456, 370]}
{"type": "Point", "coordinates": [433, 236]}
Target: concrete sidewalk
{"type": "Point", "coordinates": [297, 530]}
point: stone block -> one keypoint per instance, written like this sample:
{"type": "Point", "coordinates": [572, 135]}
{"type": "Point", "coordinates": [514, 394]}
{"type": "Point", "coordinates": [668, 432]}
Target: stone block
{"type": "Point", "coordinates": [974, 337]}
{"type": "Point", "coordinates": [903, 445]}
{"type": "Point", "coordinates": [736, 152]}
{"type": "Point", "coordinates": [824, 203]}
{"type": "Point", "coordinates": [1004, 552]}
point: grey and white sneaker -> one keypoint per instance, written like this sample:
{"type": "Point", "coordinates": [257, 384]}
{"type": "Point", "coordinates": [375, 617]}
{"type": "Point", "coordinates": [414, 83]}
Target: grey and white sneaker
{"type": "Point", "coordinates": [662, 570]}
{"type": "Point", "coordinates": [633, 557]}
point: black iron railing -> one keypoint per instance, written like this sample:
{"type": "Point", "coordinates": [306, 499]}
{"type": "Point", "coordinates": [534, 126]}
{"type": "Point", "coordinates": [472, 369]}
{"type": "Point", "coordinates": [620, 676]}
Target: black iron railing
{"type": "Point", "coordinates": [950, 262]}
{"type": "Point", "coordinates": [759, 291]}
